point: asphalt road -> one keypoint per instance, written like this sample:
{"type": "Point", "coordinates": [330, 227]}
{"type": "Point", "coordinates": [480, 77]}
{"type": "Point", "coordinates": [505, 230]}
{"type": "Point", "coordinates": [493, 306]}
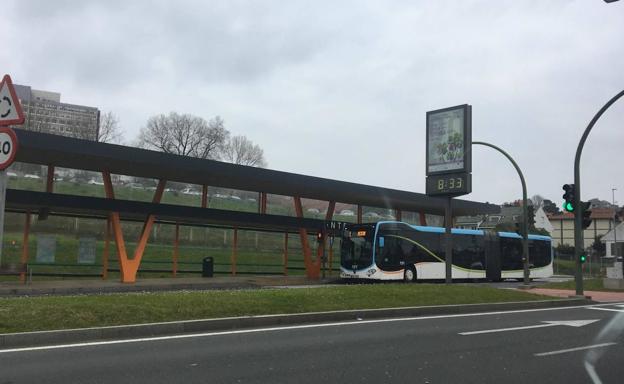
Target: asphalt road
{"type": "Point", "coordinates": [417, 350]}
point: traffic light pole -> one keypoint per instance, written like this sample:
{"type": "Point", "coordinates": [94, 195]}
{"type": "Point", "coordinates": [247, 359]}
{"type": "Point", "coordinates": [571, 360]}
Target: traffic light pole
{"type": "Point", "coordinates": [525, 212]}
{"type": "Point", "coordinates": [578, 213]}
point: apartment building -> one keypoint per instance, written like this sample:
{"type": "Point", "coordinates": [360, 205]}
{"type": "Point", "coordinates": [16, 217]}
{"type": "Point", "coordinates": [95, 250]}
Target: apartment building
{"type": "Point", "coordinates": [44, 112]}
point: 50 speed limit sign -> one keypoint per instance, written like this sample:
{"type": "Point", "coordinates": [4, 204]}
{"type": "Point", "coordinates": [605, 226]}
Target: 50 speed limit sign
{"type": "Point", "coordinates": [8, 147]}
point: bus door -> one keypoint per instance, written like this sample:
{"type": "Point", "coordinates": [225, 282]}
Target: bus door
{"type": "Point", "coordinates": [492, 256]}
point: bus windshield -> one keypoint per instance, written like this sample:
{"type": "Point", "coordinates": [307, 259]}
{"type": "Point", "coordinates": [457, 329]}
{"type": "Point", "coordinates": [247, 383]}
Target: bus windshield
{"type": "Point", "coordinates": [357, 249]}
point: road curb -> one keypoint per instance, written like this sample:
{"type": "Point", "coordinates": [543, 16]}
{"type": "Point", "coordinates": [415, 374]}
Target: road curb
{"type": "Point", "coordinates": [40, 338]}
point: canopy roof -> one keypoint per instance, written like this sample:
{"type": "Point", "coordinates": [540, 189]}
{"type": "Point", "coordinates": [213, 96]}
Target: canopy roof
{"type": "Point", "coordinates": [61, 151]}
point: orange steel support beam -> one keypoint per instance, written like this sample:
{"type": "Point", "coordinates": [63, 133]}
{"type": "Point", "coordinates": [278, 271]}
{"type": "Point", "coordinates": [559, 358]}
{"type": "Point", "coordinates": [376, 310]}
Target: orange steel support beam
{"type": "Point", "coordinates": [329, 216]}
{"type": "Point", "coordinates": [285, 253]}
{"type": "Point", "coordinates": [313, 268]}
{"type": "Point", "coordinates": [399, 215]}
{"type": "Point", "coordinates": [24, 258]}
{"type": "Point", "coordinates": [204, 200]}
{"type": "Point", "coordinates": [234, 251]}
{"type": "Point", "coordinates": [263, 202]}
{"type": "Point", "coordinates": [330, 259]}
{"type": "Point", "coordinates": [50, 179]}
{"type": "Point", "coordinates": [129, 267]}
{"type": "Point", "coordinates": [359, 214]}
{"type": "Point", "coordinates": [330, 210]}
{"type": "Point", "coordinates": [176, 242]}
{"type": "Point", "coordinates": [106, 250]}
{"type": "Point", "coordinates": [423, 219]}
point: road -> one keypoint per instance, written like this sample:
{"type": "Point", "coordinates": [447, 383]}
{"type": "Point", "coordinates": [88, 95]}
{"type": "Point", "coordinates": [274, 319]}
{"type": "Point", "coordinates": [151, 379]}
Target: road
{"type": "Point", "coordinates": [475, 348]}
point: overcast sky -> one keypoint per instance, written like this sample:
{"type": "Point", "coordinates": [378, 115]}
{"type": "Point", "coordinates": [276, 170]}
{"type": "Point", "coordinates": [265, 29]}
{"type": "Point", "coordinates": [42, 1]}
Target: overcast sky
{"type": "Point", "coordinates": [340, 89]}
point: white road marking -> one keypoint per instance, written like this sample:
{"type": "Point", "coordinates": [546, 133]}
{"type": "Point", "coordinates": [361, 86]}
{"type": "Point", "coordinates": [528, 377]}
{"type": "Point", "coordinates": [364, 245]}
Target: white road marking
{"type": "Point", "coordinates": [606, 309]}
{"type": "Point", "coordinates": [257, 330]}
{"type": "Point", "coordinates": [574, 349]}
{"type": "Point", "coordinates": [571, 323]}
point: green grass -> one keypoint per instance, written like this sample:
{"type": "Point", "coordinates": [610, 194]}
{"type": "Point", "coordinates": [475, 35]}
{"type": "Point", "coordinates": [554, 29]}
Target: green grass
{"type": "Point", "coordinates": [63, 312]}
{"type": "Point", "coordinates": [588, 285]}
{"type": "Point", "coordinates": [568, 267]}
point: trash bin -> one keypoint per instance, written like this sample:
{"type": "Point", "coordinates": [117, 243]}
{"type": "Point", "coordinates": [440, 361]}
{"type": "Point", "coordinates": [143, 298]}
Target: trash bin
{"type": "Point", "coordinates": [207, 266]}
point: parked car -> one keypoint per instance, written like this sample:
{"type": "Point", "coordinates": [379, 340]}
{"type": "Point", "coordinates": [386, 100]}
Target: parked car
{"type": "Point", "coordinates": [192, 192]}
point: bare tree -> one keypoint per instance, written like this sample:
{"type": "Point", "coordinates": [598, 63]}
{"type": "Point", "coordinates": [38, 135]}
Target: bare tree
{"type": "Point", "coordinates": [109, 131]}
{"type": "Point", "coordinates": [241, 150]}
{"type": "Point", "coordinates": [185, 135]}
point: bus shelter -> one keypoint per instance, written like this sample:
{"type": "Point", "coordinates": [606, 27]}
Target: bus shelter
{"type": "Point", "coordinates": [53, 151]}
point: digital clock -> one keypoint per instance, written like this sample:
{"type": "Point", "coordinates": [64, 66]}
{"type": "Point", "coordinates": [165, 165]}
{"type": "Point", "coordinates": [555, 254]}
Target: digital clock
{"type": "Point", "coordinates": [450, 184]}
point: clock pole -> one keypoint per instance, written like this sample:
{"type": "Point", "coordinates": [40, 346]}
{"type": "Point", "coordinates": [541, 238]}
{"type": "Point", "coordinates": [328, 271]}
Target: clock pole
{"type": "Point", "coordinates": [525, 211]}
{"type": "Point", "coordinates": [448, 241]}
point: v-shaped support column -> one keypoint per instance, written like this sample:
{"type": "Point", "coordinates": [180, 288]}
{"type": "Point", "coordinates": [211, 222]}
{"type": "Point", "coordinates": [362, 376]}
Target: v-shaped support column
{"type": "Point", "coordinates": [313, 267]}
{"type": "Point", "coordinates": [129, 267]}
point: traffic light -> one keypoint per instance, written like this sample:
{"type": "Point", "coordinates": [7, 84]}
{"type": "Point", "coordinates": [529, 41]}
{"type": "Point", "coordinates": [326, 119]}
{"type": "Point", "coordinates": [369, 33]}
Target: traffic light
{"type": "Point", "coordinates": [586, 206]}
{"type": "Point", "coordinates": [568, 196]}
{"type": "Point", "coordinates": [583, 258]}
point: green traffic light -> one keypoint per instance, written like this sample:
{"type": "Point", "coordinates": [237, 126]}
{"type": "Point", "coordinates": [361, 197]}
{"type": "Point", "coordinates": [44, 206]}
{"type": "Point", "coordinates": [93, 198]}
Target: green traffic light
{"type": "Point", "coordinates": [583, 258]}
{"type": "Point", "coordinates": [568, 206]}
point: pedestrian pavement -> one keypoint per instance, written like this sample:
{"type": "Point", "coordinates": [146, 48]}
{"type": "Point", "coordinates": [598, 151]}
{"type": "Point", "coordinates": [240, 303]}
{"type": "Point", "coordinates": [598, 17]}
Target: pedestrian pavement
{"type": "Point", "coordinates": [599, 296]}
{"type": "Point", "coordinates": [95, 286]}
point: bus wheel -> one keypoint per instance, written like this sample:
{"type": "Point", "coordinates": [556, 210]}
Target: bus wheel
{"type": "Point", "coordinates": [409, 276]}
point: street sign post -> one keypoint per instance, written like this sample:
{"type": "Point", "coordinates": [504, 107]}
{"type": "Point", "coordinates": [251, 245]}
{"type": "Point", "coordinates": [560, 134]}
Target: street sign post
{"type": "Point", "coordinates": [8, 149]}
{"type": "Point", "coordinates": [449, 163]}
{"type": "Point", "coordinates": [11, 113]}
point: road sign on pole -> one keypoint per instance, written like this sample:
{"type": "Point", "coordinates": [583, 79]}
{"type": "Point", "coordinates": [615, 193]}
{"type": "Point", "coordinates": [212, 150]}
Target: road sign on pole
{"type": "Point", "coordinates": [11, 113]}
{"type": "Point", "coordinates": [8, 148]}
{"type": "Point", "coordinates": [10, 108]}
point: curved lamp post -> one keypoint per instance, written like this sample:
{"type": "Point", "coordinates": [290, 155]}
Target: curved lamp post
{"type": "Point", "coordinates": [525, 211]}
{"type": "Point", "coordinates": [578, 215]}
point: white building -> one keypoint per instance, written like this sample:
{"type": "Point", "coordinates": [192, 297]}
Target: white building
{"type": "Point", "coordinates": [44, 112]}
{"type": "Point", "coordinates": [612, 238]}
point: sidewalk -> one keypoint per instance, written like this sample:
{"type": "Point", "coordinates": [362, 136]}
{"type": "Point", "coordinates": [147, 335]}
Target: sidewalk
{"type": "Point", "coordinates": [89, 286]}
{"type": "Point", "coordinates": [599, 296]}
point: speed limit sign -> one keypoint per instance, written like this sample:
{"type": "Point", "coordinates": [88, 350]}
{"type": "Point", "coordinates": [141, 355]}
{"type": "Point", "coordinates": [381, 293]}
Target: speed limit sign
{"type": "Point", "coordinates": [8, 147]}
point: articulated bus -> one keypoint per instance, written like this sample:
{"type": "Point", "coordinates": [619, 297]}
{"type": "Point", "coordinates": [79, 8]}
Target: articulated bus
{"type": "Point", "coordinates": [399, 251]}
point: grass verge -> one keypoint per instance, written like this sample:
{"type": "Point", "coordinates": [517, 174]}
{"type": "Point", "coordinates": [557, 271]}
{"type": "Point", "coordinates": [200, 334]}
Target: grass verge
{"type": "Point", "coordinates": [588, 285]}
{"type": "Point", "coordinates": [63, 312]}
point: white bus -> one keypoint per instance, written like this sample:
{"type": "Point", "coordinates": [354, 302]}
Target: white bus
{"type": "Point", "coordinates": [391, 250]}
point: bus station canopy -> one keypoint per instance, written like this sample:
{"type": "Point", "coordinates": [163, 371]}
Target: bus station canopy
{"type": "Point", "coordinates": [66, 152]}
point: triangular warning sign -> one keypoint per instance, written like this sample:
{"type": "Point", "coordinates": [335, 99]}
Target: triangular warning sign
{"type": "Point", "coordinates": [10, 107]}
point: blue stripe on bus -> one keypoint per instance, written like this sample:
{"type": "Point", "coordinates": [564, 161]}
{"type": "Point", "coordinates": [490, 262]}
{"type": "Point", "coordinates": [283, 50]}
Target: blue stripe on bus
{"type": "Point", "coordinates": [460, 231]}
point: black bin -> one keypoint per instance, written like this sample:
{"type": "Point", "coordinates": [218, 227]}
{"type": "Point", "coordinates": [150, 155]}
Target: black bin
{"type": "Point", "coordinates": [207, 266]}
